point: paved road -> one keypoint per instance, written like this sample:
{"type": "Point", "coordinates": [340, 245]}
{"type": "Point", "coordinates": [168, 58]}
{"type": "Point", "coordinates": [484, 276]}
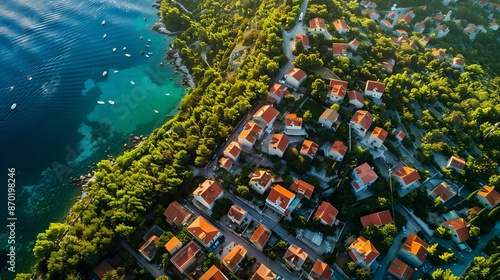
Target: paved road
{"type": "Point", "coordinates": [151, 268]}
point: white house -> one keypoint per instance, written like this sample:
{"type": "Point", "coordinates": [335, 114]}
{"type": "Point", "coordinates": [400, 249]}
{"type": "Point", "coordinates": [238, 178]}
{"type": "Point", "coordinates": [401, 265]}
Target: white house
{"type": "Point", "coordinates": [328, 118]}
{"type": "Point", "coordinates": [374, 89]}
{"type": "Point", "coordinates": [356, 99]}
{"type": "Point", "coordinates": [207, 193]}
{"type": "Point", "coordinates": [337, 151]}
{"type": "Point", "coordinates": [377, 137]}
{"type": "Point", "coordinates": [317, 25]}
{"type": "Point", "coordinates": [361, 122]}
{"type": "Point", "coordinates": [232, 151]}
{"type": "Point", "coordinates": [280, 200]}
{"type": "Point", "coordinates": [363, 176]}
{"type": "Point", "coordinates": [266, 115]}
{"type": "Point", "coordinates": [260, 180]}
{"type": "Point", "coordinates": [249, 135]}
{"type": "Point", "coordinates": [295, 77]}
{"type": "Point", "coordinates": [278, 92]}
{"type": "Point", "coordinates": [341, 26]}
{"type": "Point", "coordinates": [407, 176]}
{"type": "Point", "coordinates": [293, 125]}
{"type": "Point", "coordinates": [278, 144]}
{"type": "Point", "coordinates": [336, 90]}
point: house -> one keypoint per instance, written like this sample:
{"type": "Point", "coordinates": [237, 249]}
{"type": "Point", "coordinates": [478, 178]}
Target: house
{"type": "Point", "coordinates": [207, 193]}
{"type": "Point", "coordinates": [320, 271]}
{"type": "Point", "coordinates": [249, 135]}
{"type": "Point", "coordinates": [293, 125]}
{"type": "Point", "coordinates": [472, 30]}
{"type": "Point", "coordinates": [317, 25]}
{"type": "Point", "coordinates": [372, 13]}
{"type": "Point", "coordinates": [186, 256]}
{"type": "Point", "coordinates": [389, 65]}
{"type": "Point", "coordinates": [459, 229]}
{"type": "Point", "coordinates": [280, 200]}
{"type": "Point", "coordinates": [260, 180]}
{"type": "Point", "coordinates": [386, 24]}
{"type": "Point", "coordinates": [295, 257]}
{"type": "Point", "coordinates": [266, 116]}
{"type": "Point", "coordinates": [493, 25]}
{"type": "Point", "coordinates": [260, 237]}
{"type": "Point", "coordinates": [176, 214]}
{"type": "Point", "coordinates": [444, 191]}
{"type": "Point", "coordinates": [354, 44]}
{"type": "Point", "coordinates": [302, 188]}
{"type": "Point", "coordinates": [441, 31]}
{"type": "Point", "coordinates": [236, 214]}
{"type": "Point", "coordinates": [278, 144]}
{"type": "Point", "coordinates": [408, 17]}
{"type": "Point", "coordinates": [341, 26]}
{"type": "Point", "coordinates": [366, 4]}
{"type": "Point", "coordinates": [326, 213]}
{"type": "Point", "coordinates": [173, 245]}
{"type": "Point", "coordinates": [374, 89]}
{"type": "Point", "coordinates": [363, 252]}
{"type": "Point", "coordinates": [425, 40]}
{"type": "Point", "coordinates": [102, 268]}
{"type": "Point", "coordinates": [378, 218]}
{"type": "Point", "coordinates": [456, 163]}
{"type": "Point", "coordinates": [407, 176]}
{"type": "Point", "coordinates": [233, 260]}
{"type": "Point", "coordinates": [339, 49]}
{"type": "Point", "coordinates": [148, 249]}
{"type": "Point", "coordinates": [361, 122]}
{"type": "Point", "coordinates": [414, 251]}
{"type": "Point", "coordinates": [304, 39]}
{"type": "Point", "coordinates": [488, 197]}
{"type": "Point", "coordinates": [295, 77]}
{"type": "Point", "coordinates": [458, 63]}
{"type": "Point", "coordinates": [337, 90]}
{"type": "Point", "coordinates": [338, 151]}
{"type": "Point", "coordinates": [328, 118]}
{"type": "Point", "coordinates": [226, 163]}
{"type": "Point", "coordinates": [264, 273]}
{"type": "Point", "coordinates": [439, 16]}
{"type": "Point", "coordinates": [377, 137]}
{"type": "Point", "coordinates": [203, 231]}
{"type": "Point", "coordinates": [232, 151]}
{"type": "Point", "coordinates": [400, 270]}
{"type": "Point", "coordinates": [439, 54]}
{"type": "Point", "coordinates": [356, 99]}
{"type": "Point", "coordinates": [400, 32]}
{"type": "Point", "coordinates": [278, 92]}
{"type": "Point", "coordinates": [309, 149]}
{"type": "Point", "coordinates": [400, 135]}
{"type": "Point", "coordinates": [400, 40]}
{"type": "Point", "coordinates": [213, 273]}
{"type": "Point", "coordinates": [419, 26]}
{"type": "Point", "coordinates": [363, 176]}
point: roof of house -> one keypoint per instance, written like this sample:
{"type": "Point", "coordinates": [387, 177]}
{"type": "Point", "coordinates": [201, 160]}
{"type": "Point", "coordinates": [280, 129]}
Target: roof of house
{"type": "Point", "coordinates": [377, 218]}
{"type": "Point", "coordinates": [330, 115]}
{"type": "Point", "coordinates": [340, 24]}
{"type": "Point", "coordinates": [278, 89]}
{"type": "Point", "coordinates": [148, 249]}
{"type": "Point", "coordinates": [235, 256]}
{"type": "Point", "coordinates": [294, 253]}
{"type": "Point", "coordinates": [292, 120]}
{"type": "Point", "coordinates": [317, 23]}
{"type": "Point", "coordinates": [379, 133]}
{"type": "Point", "coordinates": [279, 141]}
{"type": "Point", "coordinates": [339, 147]}
{"type": "Point", "coordinates": [365, 173]}
{"type": "Point", "coordinates": [426, 39]}
{"type": "Point", "coordinates": [233, 149]}
{"type": "Point", "coordinates": [338, 87]}
{"type": "Point", "coordinates": [297, 73]}
{"type": "Point", "coordinates": [250, 132]}
{"type": "Point", "coordinates": [339, 48]}
{"type": "Point", "coordinates": [407, 174]}
{"type": "Point", "coordinates": [416, 246]}
{"type": "Point", "coordinates": [102, 268]}
{"type": "Point", "coordinates": [226, 163]}
{"type": "Point", "coordinates": [263, 273]}
{"type": "Point", "coordinates": [303, 187]}
{"type": "Point", "coordinates": [267, 112]}
{"type": "Point", "coordinates": [401, 31]}
{"type": "Point", "coordinates": [282, 196]}
{"type": "Point", "coordinates": [444, 191]}
{"type": "Point", "coordinates": [203, 230]}
{"type": "Point", "coordinates": [490, 194]}
{"type": "Point", "coordinates": [375, 86]}
{"type": "Point", "coordinates": [457, 162]}
{"type": "Point", "coordinates": [261, 235]}
{"type": "Point", "coordinates": [391, 15]}
{"type": "Point", "coordinates": [236, 212]}
{"type": "Point", "coordinates": [354, 42]}
{"type": "Point", "coordinates": [172, 244]}
{"type": "Point", "coordinates": [309, 148]}
{"type": "Point", "coordinates": [321, 270]}
{"type": "Point", "coordinates": [209, 191]}
{"type": "Point", "coordinates": [408, 16]}
{"type": "Point", "coordinates": [400, 134]}
{"type": "Point", "coordinates": [185, 255]}
{"type": "Point", "coordinates": [438, 53]}
{"type": "Point", "coordinates": [176, 213]}
{"type": "Point", "coordinates": [213, 273]}
{"type": "Point", "coordinates": [260, 176]}
{"type": "Point", "coordinates": [356, 95]}
{"type": "Point", "coordinates": [386, 23]}
{"type": "Point", "coordinates": [460, 226]}
{"type": "Point", "coordinates": [303, 38]}
{"type": "Point", "coordinates": [387, 66]}
{"type": "Point", "coordinates": [400, 269]}
{"type": "Point", "coordinates": [363, 117]}
{"type": "Point", "coordinates": [365, 248]}
{"type": "Point", "coordinates": [458, 61]}
{"type": "Point", "coordinates": [326, 212]}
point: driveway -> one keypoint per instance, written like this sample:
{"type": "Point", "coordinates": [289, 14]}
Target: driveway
{"type": "Point", "coordinates": [150, 267]}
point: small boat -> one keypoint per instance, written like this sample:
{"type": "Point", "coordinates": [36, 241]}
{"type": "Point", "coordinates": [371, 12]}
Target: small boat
{"type": "Point", "coordinates": [104, 36]}
{"type": "Point", "coordinates": [114, 49]}
{"type": "Point", "coordinates": [127, 55]}
{"type": "Point", "coordinates": [150, 53]}
{"type": "Point", "coordinates": [147, 56]}
{"type": "Point", "coordinates": [11, 88]}
{"type": "Point", "coordinates": [149, 40]}
{"type": "Point", "coordinates": [30, 78]}
{"type": "Point", "coordinates": [147, 46]}
{"type": "Point", "coordinates": [104, 73]}
{"type": "Point", "coordinates": [116, 71]}
{"type": "Point", "coordinates": [132, 82]}
{"type": "Point", "coordinates": [167, 94]}
{"type": "Point", "coordinates": [124, 48]}
{"type": "Point", "coordinates": [103, 22]}
{"type": "Point", "coordinates": [111, 102]}
{"type": "Point", "coordinates": [140, 37]}
{"type": "Point", "coordinates": [13, 106]}
{"type": "Point", "coordinates": [156, 111]}
{"type": "Point", "coordinates": [100, 102]}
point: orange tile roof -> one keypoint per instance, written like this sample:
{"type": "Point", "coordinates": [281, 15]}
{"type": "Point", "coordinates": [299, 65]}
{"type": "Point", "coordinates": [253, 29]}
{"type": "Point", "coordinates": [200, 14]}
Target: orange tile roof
{"type": "Point", "coordinates": [213, 273]}
{"type": "Point", "coordinates": [321, 270]}
{"type": "Point", "coordinates": [235, 256]}
{"type": "Point", "coordinates": [303, 38]}
{"type": "Point", "coordinates": [457, 162]}
{"type": "Point", "coordinates": [377, 218]}
{"type": "Point", "coordinates": [293, 120]}
{"type": "Point", "coordinates": [279, 90]}
{"type": "Point", "coordinates": [379, 133]}
{"type": "Point", "coordinates": [281, 195]}
{"type": "Point", "coordinates": [386, 23]}
{"type": "Point", "coordinates": [294, 253]}
{"type": "Point", "coordinates": [327, 212]}
{"type": "Point", "coordinates": [401, 134]}
{"type": "Point", "coordinates": [297, 73]}
{"type": "Point", "coordinates": [264, 273]}
{"type": "Point", "coordinates": [317, 23]}
{"type": "Point", "coordinates": [209, 191]}
{"type": "Point", "coordinates": [176, 213]}
{"type": "Point", "coordinates": [416, 246]}
{"type": "Point", "coordinates": [250, 132]}
{"type": "Point", "coordinates": [267, 112]}
{"type": "Point", "coordinates": [185, 255]}
{"type": "Point", "coordinates": [233, 149]}
{"type": "Point", "coordinates": [261, 176]}
{"type": "Point", "coordinates": [172, 244]}
{"type": "Point", "coordinates": [408, 174]}
{"type": "Point", "coordinates": [260, 235]}
{"type": "Point", "coordinates": [303, 187]}
{"type": "Point", "coordinates": [363, 117]}
{"type": "Point", "coordinates": [279, 141]}
{"type": "Point", "coordinates": [365, 173]}
{"type": "Point", "coordinates": [340, 24]}
{"type": "Point", "coordinates": [338, 87]}
{"type": "Point", "coordinates": [102, 268]}
{"type": "Point", "coordinates": [460, 226]}
{"type": "Point", "coordinates": [365, 249]}
{"type": "Point", "coordinates": [309, 148]}
{"type": "Point", "coordinates": [148, 249]}
{"type": "Point", "coordinates": [225, 163]}
{"type": "Point", "coordinates": [400, 269]}
{"type": "Point", "coordinates": [438, 53]}
{"type": "Point", "coordinates": [444, 191]}
{"type": "Point", "coordinates": [339, 147]}
{"type": "Point", "coordinates": [356, 95]}
{"type": "Point", "coordinates": [203, 230]}
{"type": "Point", "coordinates": [375, 86]}
{"type": "Point", "coordinates": [490, 194]}
{"type": "Point", "coordinates": [339, 48]}
{"type": "Point", "coordinates": [236, 212]}
{"type": "Point", "coordinates": [330, 115]}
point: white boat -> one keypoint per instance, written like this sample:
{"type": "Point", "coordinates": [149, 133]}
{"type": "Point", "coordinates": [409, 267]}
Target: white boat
{"type": "Point", "coordinates": [147, 46]}
{"type": "Point", "coordinates": [127, 55]}
{"type": "Point", "coordinates": [104, 36]}
{"type": "Point", "coordinates": [114, 49]}
{"type": "Point", "coordinates": [103, 22]}
{"type": "Point", "coordinates": [111, 102]}
{"type": "Point", "coordinates": [104, 73]}
{"type": "Point", "coordinates": [30, 78]}
{"type": "Point", "coordinates": [11, 88]}
{"type": "Point", "coordinates": [150, 53]}
{"type": "Point", "coordinates": [116, 71]}
{"type": "Point", "coordinates": [100, 102]}
{"type": "Point", "coordinates": [147, 56]}
{"type": "Point", "coordinates": [167, 94]}
{"type": "Point", "coordinates": [156, 111]}
{"type": "Point", "coordinates": [13, 106]}
{"type": "Point", "coordinates": [149, 40]}
{"type": "Point", "coordinates": [124, 48]}
{"type": "Point", "coordinates": [132, 82]}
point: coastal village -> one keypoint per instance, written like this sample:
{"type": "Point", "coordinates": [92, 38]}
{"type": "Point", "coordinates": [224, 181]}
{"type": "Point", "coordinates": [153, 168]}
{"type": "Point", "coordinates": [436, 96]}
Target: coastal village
{"type": "Point", "coordinates": [303, 189]}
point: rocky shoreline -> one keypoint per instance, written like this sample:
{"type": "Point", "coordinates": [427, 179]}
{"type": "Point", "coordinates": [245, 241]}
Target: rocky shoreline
{"type": "Point", "coordinates": [176, 60]}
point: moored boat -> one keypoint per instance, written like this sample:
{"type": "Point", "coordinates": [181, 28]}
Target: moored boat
{"type": "Point", "coordinates": [128, 55]}
{"type": "Point", "coordinates": [111, 102]}
{"type": "Point", "coordinates": [13, 106]}
{"type": "Point", "coordinates": [103, 22]}
{"type": "Point", "coordinates": [104, 36]}
{"type": "Point", "coordinates": [104, 73]}
{"type": "Point", "coordinates": [100, 102]}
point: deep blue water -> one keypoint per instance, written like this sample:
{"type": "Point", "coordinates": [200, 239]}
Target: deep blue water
{"type": "Point", "coordinates": [52, 56]}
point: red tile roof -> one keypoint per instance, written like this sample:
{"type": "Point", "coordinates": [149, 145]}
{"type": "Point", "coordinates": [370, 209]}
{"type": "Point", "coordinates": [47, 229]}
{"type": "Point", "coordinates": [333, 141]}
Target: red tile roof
{"type": "Point", "coordinates": [416, 246]}
{"type": "Point", "coordinates": [317, 23]}
{"type": "Point", "coordinates": [457, 162]}
{"type": "Point", "coordinates": [375, 86]}
{"type": "Point", "coordinates": [339, 147]}
{"type": "Point", "coordinates": [408, 174]}
{"type": "Point", "coordinates": [225, 163]}
{"type": "Point", "coordinates": [294, 253]}
{"type": "Point", "coordinates": [365, 173]}
{"type": "Point", "coordinates": [297, 73]}
{"type": "Point", "coordinates": [267, 112]}
{"type": "Point", "coordinates": [148, 249]}
{"type": "Point", "coordinates": [365, 249]}
{"type": "Point", "coordinates": [491, 195]}
{"type": "Point", "coordinates": [235, 256]}
{"type": "Point", "coordinates": [279, 141]}
{"type": "Point", "coordinates": [250, 132]}
{"type": "Point", "coordinates": [379, 133]}
{"type": "Point", "coordinates": [213, 273]}
{"type": "Point", "coordinates": [460, 226]}
{"type": "Point", "coordinates": [321, 271]}
{"type": "Point", "coordinates": [340, 24]}
{"type": "Point", "coordinates": [209, 191]}
{"type": "Point", "coordinates": [236, 212]}
{"type": "Point", "coordinates": [303, 187]}
{"type": "Point", "coordinates": [279, 90]}
{"type": "Point", "coordinates": [354, 42]}
{"type": "Point", "coordinates": [261, 176]}
{"type": "Point", "coordinates": [309, 148]}
{"type": "Point", "coordinates": [400, 269]}
{"type": "Point", "coordinates": [400, 134]}
{"type": "Point", "coordinates": [339, 48]}
{"type": "Point", "coordinates": [444, 191]}
{"type": "Point", "coordinates": [293, 120]}
{"type": "Point", "coordinates": [356, 95]}
{"type": "Point", "coordinates": [281, 195]}
{"type": "Point", "coordinates": [185, 255]}
{"type": "Point", "coordinates": [303, 38]}
{"type": "Point", "coordinates": [233, 149]}
{"type": "Point", "coordinates": [260, 235]}
{"type": "Point", "coordinates": [203, 230]}
{"type": "Point", "coordinates": [176, 213]}
{"type": "Point", "coordinates": [364, 118]}
{"type": "Point", "coordinates": [338, 87]}
{"type": "Point", "coordinates": [378, 218]}
{"type": "Point", "coordinates": [263, 273]}
{"type": "Point", "coordinates": [327, 212]}
{"type": "Point", "coordinates": [102, 268]}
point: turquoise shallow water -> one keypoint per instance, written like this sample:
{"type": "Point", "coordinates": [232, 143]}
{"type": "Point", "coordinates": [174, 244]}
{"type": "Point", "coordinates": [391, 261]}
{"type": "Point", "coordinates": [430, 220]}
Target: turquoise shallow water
{"type": "Point", "coordinates": [53, 55]}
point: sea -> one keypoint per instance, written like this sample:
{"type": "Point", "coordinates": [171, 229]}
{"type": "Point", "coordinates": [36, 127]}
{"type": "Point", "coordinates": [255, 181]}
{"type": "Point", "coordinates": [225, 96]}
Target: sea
{"type": "Point", "coordinates": [59, 113]}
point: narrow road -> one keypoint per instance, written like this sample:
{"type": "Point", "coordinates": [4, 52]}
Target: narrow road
{"type": "Point", "coordinates": [182, 7]}
{"type": "Point", "coordinates": [151, 268]}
